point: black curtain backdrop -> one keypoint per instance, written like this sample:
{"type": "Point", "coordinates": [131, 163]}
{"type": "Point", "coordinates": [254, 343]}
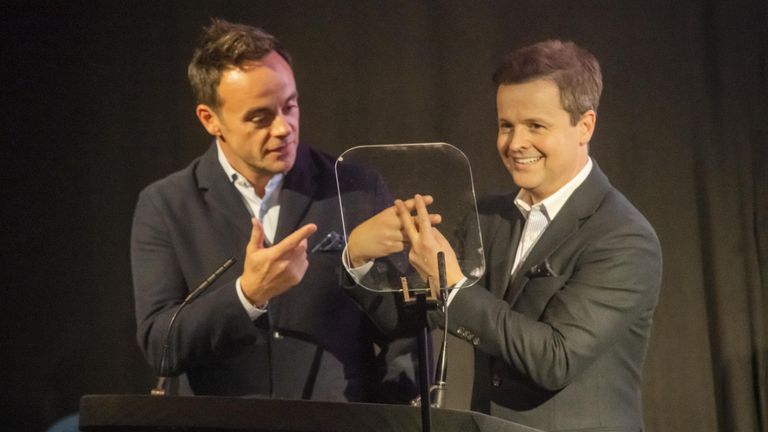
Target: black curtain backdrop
{"type": "Point", "coordinates": [96, 105]}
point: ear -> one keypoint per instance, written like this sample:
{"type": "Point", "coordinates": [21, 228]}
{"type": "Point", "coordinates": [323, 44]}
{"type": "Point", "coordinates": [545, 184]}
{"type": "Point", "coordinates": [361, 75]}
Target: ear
{"type": "Point", "coordinates": [208, 119]}
{"type": "Point", "coordinates": [586, 125]}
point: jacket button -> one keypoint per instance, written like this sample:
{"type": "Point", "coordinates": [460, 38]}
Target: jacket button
{"type": "Point", "coordinates": [277, 335]}
{"type": "Point", "coordinates": [496, 380]}
{"type": "Point", "coordinates": [461, 332]}
{"type": "Point", "coordinates": [476, 341]}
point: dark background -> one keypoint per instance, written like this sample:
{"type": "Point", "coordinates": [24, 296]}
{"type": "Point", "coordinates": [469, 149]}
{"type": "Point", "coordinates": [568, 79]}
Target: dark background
{"type": "Point", "coordinates": [95, 106]}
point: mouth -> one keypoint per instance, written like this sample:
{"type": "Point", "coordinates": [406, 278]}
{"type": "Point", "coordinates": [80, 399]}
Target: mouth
{"type": "Point", "coordinates": [279, 149]}
{"type": "Point", "coordinates": [527, 160]}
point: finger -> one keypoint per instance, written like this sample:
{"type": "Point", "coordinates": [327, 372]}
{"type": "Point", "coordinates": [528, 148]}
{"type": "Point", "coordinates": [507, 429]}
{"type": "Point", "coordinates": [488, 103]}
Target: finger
{"type": "Point", "coordinates": [406, 220]}
{"type": "Point", "coordinates": [434, 219]}
{"type": "Point", "coordinates": [410, 204]}
{"type": "Point", "coordinates": [296, 254]}
{"type": "Point", "coordinates": [257, 235]}
{"type": "Point", "coordinates": [301, 248]}
{"type": "Point", "coordinates": [422, 216]}
{"type": "Point", "coordinates": [295, 238]}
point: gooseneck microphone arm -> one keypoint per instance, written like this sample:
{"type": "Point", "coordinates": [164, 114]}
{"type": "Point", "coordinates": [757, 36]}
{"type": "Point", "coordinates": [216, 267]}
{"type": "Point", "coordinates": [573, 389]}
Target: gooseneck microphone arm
{"type": "Point", "coordinates": [160, 389]}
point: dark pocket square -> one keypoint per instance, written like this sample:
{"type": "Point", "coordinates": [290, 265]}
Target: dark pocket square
{"type": "Point", "coordinates": [332, 242]}
{"type": "Point", "coordinates": [541, 270]}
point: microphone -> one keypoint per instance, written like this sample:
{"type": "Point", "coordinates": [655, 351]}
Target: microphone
{"type": "Point", "coordinates": [441, 371]}
{"type": "Point", "coordinates": [160, 388]}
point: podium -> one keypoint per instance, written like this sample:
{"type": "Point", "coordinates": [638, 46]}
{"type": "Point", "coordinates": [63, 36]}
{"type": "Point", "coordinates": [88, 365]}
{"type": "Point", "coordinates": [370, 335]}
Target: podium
{"type": "Point", "coordinates": [134, 413]}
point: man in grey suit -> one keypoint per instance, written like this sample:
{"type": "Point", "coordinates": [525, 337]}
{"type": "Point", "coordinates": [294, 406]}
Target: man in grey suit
{"type": "Point", "coordinates": [560, 321]}
{"type": "Point", "coordinates": [278, 323]}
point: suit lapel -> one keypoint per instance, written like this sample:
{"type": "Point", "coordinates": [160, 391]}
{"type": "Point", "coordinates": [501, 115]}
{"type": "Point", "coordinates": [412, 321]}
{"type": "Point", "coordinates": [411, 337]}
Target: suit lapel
{"type": "Point", "coordinates": [582, 203]}
{"type": "Point", "coordinates": [229, 215]}
{"type": "Point", "coordinates": [505, 241]}
{"type": "Point", "coordinates": [296, 196]}
{"type": "Point", "coordinates": [558, 231]}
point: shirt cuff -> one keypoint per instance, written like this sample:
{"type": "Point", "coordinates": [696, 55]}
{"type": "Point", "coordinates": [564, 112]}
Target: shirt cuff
{"type": "Point", "coordinates": [357, 273]}
{"type": "Point", "coordinates": [253, 311]}
{"type": "Point", "coordinates": [455, 290]}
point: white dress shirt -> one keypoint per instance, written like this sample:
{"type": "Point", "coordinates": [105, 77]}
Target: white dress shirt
{"type": "Point", "coordinates": [540, 215]}
{"type": "Point", "coordinates": [266, 210]}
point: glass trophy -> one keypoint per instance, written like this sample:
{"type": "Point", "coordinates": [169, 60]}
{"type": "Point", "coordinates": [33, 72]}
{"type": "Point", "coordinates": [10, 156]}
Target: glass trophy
{"type": "Point", "coordinates": [371, 177]}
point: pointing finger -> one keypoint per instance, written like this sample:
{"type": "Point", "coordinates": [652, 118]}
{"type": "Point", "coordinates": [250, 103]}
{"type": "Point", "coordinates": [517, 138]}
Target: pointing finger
{"type": "Point", "coordinates": [295, 238]}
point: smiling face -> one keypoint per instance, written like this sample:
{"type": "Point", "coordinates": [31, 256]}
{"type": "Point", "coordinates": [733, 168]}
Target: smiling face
{"type": "Point", "coordinates": [536, 140]}
{"type": "Point", "coordinates": [257, 121]}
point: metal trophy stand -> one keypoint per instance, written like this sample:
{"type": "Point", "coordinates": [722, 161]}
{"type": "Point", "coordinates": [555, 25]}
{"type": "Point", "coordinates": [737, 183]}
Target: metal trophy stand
{"type": "Point", "coordinates": [424, 302]}
{"type": "Point", "coordinates": [369, 179]}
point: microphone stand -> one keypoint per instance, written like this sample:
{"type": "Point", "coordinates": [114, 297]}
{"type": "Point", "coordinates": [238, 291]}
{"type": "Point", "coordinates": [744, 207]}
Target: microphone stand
{"type": "Point", "coordinates": [161, 388]}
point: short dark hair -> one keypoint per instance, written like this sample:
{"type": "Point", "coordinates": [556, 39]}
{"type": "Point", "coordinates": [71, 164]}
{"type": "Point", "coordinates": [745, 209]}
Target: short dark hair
{"type": "Point", "coordinates": [224, 45]}
{"type": "Point", "coordinates": [574, 70]}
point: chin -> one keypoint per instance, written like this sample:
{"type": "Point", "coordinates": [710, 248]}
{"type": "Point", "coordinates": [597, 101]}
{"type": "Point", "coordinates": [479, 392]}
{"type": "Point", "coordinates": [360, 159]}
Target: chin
{"type": "Point", "coordinates": [282, 167]}
{"type": "Point", "coordinates": [523, 180]}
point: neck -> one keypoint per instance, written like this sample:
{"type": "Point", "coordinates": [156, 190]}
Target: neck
{"type": "Point", "coordinates": [258, 181]}
{"type": "Point", "coordinates": [257, 178]}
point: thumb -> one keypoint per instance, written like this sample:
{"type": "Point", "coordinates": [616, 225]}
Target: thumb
{"type": "Point", "coordinates": [257, 235]}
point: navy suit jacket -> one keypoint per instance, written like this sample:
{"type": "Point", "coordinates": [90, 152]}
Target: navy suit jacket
{"type": "Point", "coordinates": [561, 346]}
{"type": "Point", "coordinates": [314, 343]}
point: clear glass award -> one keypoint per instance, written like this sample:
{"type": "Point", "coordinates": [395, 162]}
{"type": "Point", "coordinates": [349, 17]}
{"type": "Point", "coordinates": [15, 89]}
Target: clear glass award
{"type": "Point", "coordinates": [371, 177]}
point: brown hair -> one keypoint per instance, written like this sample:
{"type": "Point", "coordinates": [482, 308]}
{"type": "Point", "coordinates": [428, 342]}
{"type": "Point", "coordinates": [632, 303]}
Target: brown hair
{"type": "Point", "coordinates": [224, 45]}
{"type": "Point", "coordinates": [573, 69]}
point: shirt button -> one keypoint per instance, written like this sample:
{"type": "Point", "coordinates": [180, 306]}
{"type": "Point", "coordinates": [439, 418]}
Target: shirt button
{"type": "Point", "coordinates": [277, 335]}
{"type": "Point", "coordinates": [496, 380]}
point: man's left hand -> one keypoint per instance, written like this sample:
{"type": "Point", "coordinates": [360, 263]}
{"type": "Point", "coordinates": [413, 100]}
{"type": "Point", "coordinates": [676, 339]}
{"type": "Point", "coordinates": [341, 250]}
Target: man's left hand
{"type": "Point", "coordinates": [426, 241]}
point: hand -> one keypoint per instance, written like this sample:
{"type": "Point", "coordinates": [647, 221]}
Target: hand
{"type": "Point", "coordinates": [382, 234]}
{"type": "Point", "coordinates": [426, 242]}
{"type": "Point", "coordinates": [269, 272]}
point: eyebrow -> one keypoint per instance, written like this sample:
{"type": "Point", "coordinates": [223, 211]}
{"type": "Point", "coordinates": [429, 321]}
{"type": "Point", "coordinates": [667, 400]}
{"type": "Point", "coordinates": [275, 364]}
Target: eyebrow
{"type": "Point", "coordinates": [253, 112]}
{"type": "Point", "coordinates": [530, 120]}
{"type": "Point", "coordinates": [527, 120]}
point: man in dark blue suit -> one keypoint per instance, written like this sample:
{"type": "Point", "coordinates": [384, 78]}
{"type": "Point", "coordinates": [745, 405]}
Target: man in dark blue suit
{"type": "Point", "coordinates": [278, 324]}
{"type": "Point", "coordinates": [559, 323]}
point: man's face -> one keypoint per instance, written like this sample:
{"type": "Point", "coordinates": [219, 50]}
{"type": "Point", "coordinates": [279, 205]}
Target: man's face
{"type": "Point", "coordinates": [536, 140]}
{"type": "Point", "coordinates": [257, 122]}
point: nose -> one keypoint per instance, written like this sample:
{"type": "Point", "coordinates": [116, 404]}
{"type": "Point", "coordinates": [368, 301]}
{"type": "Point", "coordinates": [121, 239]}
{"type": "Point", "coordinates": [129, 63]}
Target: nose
{"type": "Point", "coordinates": [517, 141]}
{"type": "Point", "coordinates": [512, 141]}
{"type": "Point", "coordinates": [280, 126]}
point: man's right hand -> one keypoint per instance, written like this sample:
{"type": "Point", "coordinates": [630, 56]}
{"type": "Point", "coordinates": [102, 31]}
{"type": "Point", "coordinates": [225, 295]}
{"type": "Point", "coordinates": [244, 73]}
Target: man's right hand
{"type": "Point", "coordinates": [269, 272]}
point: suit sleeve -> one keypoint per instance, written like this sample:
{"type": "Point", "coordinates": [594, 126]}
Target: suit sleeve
{"type": "Point", "coordinates": [211, 326]}
{"type": "Point", "coordinates": [614, 283]}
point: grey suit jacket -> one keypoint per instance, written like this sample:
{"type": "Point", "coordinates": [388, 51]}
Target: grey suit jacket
{"type": "Point", "coordinates": [561, 347]}
{"type": "Point", "coordinates": [314, 343]}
